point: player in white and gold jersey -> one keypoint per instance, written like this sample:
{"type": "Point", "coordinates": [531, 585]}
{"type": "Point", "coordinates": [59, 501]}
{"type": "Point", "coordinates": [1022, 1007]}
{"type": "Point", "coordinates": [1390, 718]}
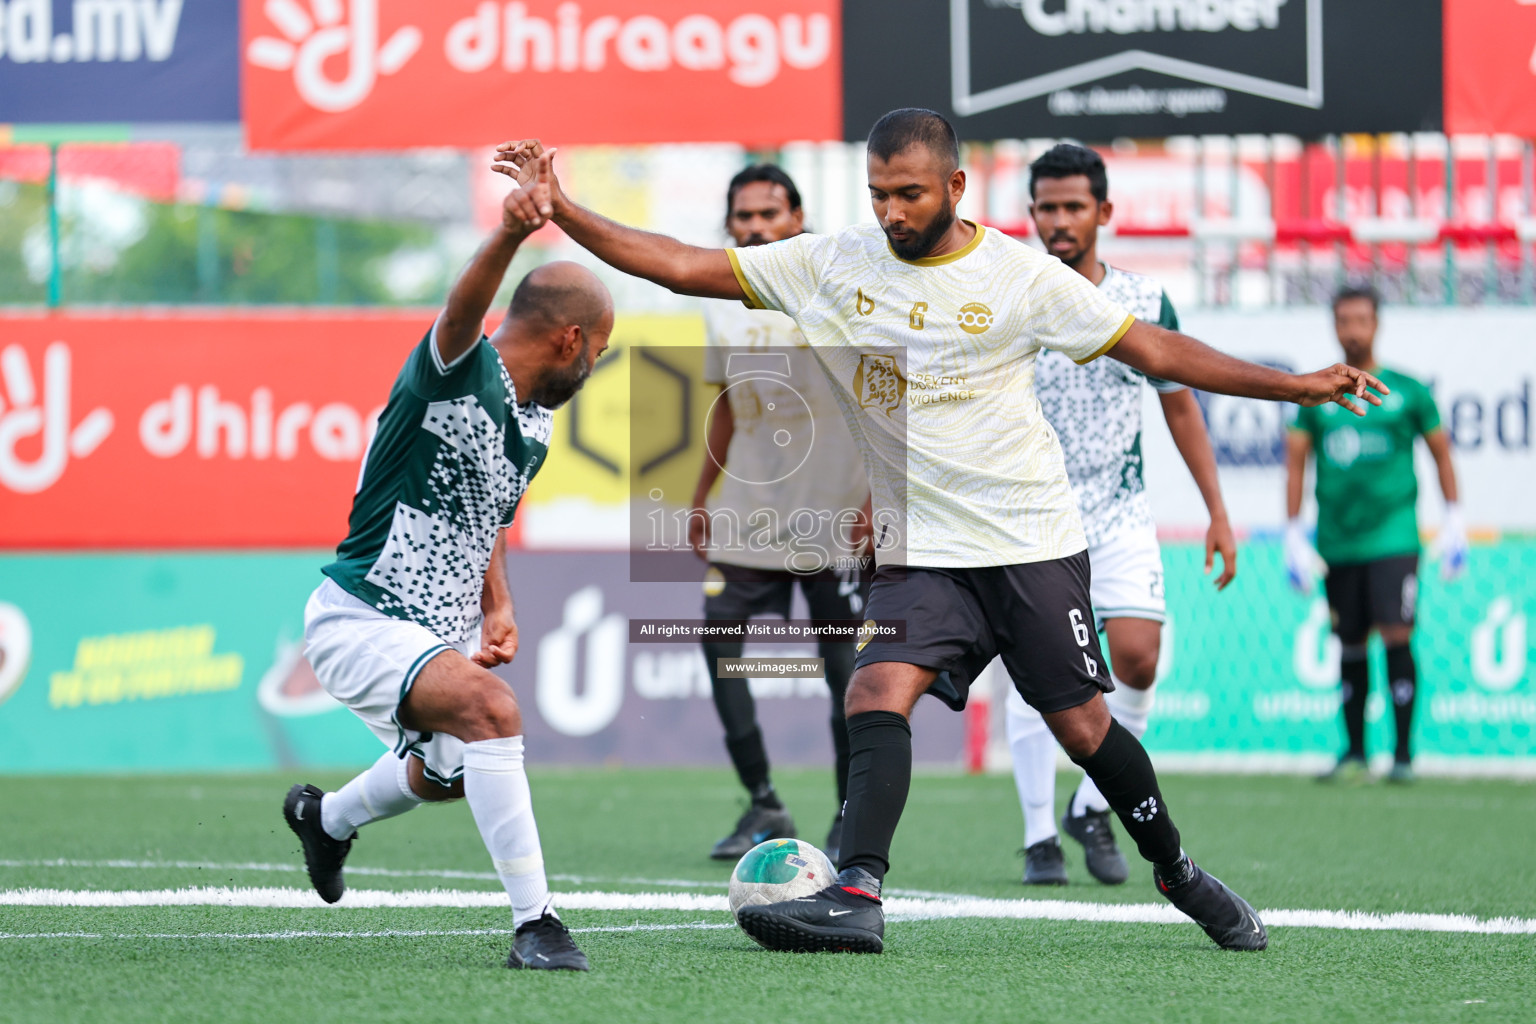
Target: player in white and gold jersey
{"type": "Point", "coordinates": [928, 328]}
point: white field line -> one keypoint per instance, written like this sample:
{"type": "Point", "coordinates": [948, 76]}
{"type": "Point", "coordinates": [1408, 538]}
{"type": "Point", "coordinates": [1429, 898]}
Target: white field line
{"type": "Point", "coordinates": [386, 933]}
{"type": "Point", "coordinates": [447, 875]}
{"type": "Point", "coordinates": [898, 908]}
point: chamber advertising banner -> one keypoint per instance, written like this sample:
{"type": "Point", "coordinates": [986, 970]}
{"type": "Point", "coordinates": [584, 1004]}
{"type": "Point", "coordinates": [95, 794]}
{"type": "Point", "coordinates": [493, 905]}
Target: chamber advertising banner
{"type": "Point", "coordinates": [385, 74]}
{"type": "Point", "coordinates": [1490, 67]}
{"type": "Point", "coordinates": [1101, 69]}
{"type": "Point", "coordinates": [67, 61]}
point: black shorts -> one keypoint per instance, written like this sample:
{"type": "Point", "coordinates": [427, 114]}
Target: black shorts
{"type": "Point", "coordinates": [1036, 616]}
{"type": "Point", "coordinates": [1361, 595]}
{"type": "Point", "coordinates": [740, 592]}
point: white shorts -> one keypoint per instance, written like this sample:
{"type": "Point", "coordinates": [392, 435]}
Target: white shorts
{"type": "Point", "coordinates": [368, 661]}
{"type": "Point", "coordinates": [1127, 580]}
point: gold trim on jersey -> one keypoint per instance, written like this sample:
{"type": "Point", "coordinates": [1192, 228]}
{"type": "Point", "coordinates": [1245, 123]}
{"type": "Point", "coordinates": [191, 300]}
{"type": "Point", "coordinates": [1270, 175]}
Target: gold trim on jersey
{"type": "Point", "coordinates": [752, 301]}
{"type": "Point", "coordinates": [1111, 343]}
{"type": "Point", "coordinates": [939, 261]}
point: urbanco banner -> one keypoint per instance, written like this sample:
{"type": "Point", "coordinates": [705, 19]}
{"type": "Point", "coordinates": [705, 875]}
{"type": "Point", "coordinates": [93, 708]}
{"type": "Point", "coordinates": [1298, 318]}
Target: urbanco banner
{"type": "Point", "coordinates": [195, 661]}
{"type": "Point", "coordinates": [161, 661]}
{"type": "Point", "coordinates": [64, 61]}
{"type": "Point", "coordinates": [1490, 67]}
{"type": "Point", "coordinates": [390, 74]}
{"type": "Point", "coordinates": [1102, 69]}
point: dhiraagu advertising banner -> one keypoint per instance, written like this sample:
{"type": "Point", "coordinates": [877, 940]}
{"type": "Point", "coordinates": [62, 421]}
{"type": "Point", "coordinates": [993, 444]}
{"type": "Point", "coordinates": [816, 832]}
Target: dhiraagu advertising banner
{"type": "Point", "coordinates": [1252, 674]}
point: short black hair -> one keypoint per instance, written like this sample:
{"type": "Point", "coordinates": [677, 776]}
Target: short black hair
{"type": "Point", "coordinates": [773, 174]}
{"type": "Point", "coordinates": [549, 298]}
{"type": "Point", "coordinates": [1066, 160]}
{"type": "Point", "coordinates": [1358, 291]}
{"type": "Point", "coordinates": [912, 126]}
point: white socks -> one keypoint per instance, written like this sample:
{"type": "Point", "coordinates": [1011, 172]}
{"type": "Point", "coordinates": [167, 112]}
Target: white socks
{"type": "Point", "coordinates": [1034, 767]}
{"type": "Point", "coordinates": [1131, 709]}
{"type": "Point", "coordinates": [496, 787]}
{"type": "Point", "coordinates": [382, 791]}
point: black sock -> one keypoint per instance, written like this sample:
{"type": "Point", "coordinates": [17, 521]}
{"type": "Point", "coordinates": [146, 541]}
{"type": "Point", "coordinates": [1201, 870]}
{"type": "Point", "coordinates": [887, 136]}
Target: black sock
{"type": "Point", "coordinates": [751, 761]}
{"type": "Point", "coordinates": [1123, 772]}
{"type": "Point", "coordinates": [879, 775]}
{"type": "Point", "coordinates": [1403, 684]}
{"type": "Point", "coordinates": [839, 662]}
{"type": "Point", "coordinates": [738, 714]}
{"type": "Point", "coordinates": [1355, 684]}
{"type": "Point", "coordinates": [841, 756]}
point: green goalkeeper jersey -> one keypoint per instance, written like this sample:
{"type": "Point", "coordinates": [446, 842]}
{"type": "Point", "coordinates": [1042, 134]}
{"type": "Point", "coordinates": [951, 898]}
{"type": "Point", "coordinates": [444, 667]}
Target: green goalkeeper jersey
{"type": "Point", "coordinates": [1366, 485]}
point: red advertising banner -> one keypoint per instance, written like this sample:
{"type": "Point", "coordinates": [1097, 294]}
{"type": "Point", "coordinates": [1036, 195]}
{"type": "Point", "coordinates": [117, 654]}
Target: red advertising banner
{"type": "Point", "coordinates": [388, 74]}
{"type": "Point", "coordinates": [1490, 67]}
{"type": "Point", "coordinates": [186, 432]}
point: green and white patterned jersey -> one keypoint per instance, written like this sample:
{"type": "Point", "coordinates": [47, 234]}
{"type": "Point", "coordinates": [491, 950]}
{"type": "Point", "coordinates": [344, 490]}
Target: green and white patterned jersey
{"type": "Point", "coordinates": [1095, 409]}
{"type": "Point", "coordinates": [452, 456]}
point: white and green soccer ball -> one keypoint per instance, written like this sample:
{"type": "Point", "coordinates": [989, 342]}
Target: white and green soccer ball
{"type": "Point", "coordinates": [778, 870]}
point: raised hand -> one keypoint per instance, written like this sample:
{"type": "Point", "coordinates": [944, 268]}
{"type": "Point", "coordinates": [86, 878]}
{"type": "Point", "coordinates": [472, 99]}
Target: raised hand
{"type": "Point", "coordinates": [529, 206]}
{"type": "Point", "coordinates": [518, 159]}
{"type": "Point", "coordinates": [1340, 383]}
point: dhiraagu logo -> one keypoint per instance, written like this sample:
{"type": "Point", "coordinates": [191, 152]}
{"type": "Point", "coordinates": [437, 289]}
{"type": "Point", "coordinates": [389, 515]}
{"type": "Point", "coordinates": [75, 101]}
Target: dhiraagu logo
{"type": "Point", "coordinates": [15, 648]}
{"type": "Point", "coordinates": [312, 37]}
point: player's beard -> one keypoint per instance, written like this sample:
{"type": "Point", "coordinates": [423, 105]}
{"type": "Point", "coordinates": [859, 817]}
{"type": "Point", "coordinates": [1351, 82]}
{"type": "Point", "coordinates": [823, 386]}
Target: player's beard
{"type": "Point", "coordinates": [921, 244]}
{"type": "Point", "coordinates": [556, 386]}
{"type": "Point", "coordinates": [1073, 257]}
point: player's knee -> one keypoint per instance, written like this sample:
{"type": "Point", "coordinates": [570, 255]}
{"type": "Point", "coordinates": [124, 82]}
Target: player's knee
{"type": "Point", "coordinates": [433, 792]}
{"type": "Point", "coordinates": [1080, 730]}
{"type": "Point", "coordinates": [1137, 668]}
{"type": "Point", "coordinates": [866, 692]}
{"type": "Point", "coordinates": [1395, 635]}
{"type": "Point", "coordinates": [490, 712]}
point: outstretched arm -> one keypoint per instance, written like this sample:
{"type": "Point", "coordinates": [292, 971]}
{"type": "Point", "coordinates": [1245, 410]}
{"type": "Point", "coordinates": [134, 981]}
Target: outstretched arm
{"type": "Point", "coordinates": [463, 318]}
{"type": "Point", "coordinates": [1178, 357]}
{"type": "Point", "coordinates": [1439, 444]}
{"type": "Point", "coordinates": [1298, 445]}
{"type": "Point", "coordinates": [717, 443]}
{"type": "Point", "coordinates": [1187, 426]}
{"type": "Point", "coordinates": [674, 265]}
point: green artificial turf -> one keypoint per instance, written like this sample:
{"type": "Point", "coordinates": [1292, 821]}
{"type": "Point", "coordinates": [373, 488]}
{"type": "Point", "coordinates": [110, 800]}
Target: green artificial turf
{"type": "Point", "coordinates": [1437, 847]}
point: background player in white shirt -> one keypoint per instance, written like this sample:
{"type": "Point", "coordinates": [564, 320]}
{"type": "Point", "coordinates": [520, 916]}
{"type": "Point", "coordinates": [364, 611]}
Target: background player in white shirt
{"type": "Point", "coordinates": [772, 391]}
{"type": "Point", "coordinates": [1096, 411]}
{"type": "Point", "coordinates": [928, 328]}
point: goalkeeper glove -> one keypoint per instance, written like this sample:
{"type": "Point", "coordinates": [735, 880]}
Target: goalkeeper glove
{"type": "Point", "coordinates": [1303, 565]}
{"type": "Point", "coordinates": [1452, 544]}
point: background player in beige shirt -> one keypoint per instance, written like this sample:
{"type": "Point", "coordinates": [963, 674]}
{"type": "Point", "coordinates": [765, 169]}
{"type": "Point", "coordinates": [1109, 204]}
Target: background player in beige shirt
{"type": "Point", "coordinates": [780, 475]}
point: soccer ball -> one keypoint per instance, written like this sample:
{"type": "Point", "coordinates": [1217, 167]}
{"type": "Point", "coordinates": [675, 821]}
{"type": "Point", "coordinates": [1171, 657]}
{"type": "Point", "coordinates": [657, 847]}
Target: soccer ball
{"type": "Point", "coordinates": [778, 870]}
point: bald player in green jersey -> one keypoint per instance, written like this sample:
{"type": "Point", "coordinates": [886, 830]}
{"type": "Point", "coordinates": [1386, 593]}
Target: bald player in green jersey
{"type": "Point", "coordinates": [1368, 529]}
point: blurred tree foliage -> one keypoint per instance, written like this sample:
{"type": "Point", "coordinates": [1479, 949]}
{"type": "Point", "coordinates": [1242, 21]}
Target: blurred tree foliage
{"type": "Point", "coordinates": [184, 253]}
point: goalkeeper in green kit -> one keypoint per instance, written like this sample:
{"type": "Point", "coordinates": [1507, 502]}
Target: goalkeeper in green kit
{"type": "Point", "coordinates": [1367, 529]}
